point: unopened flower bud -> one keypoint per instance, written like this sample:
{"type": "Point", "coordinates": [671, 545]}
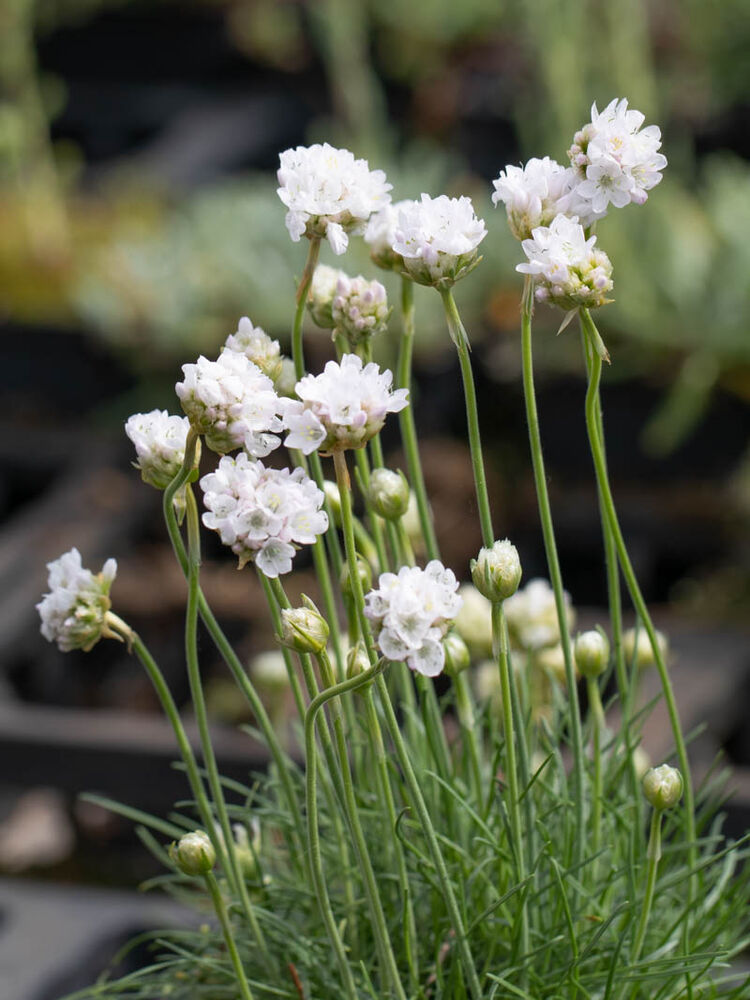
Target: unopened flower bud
{"type": "Point", "coordinates": [286, 380]}
{"type": "Point", "coordinates": [662, 787]}
{"type": "Point", "coordinates": [359, 309]}
{"type": "Point", "coordinates": [194, 854]}
{"type": "Point", "coordinates": [322, 293]}
{"type": "Point", "coordinates": [591, 652]}
{"type": "Point", "coordinates": [333, 497]}
{"type": "Point", "coordinates": [357, 661]}
{"type": "Point", "coordinates": [389, 493]}
{"type": "Point", "coordinates": [496, 572]}
{"type": "Point", "coordinates": [457, 656]}
{"type": "Point", "coordinates": [365, 577]}
{"type": "Point", "coordinates": [246, 851]}
{"type": "Point", "coordinates": [304, 629]}
{"type": "Point", "coordinates": [638, 649]}
{"type": "Point", "coordinates": [551, 659]}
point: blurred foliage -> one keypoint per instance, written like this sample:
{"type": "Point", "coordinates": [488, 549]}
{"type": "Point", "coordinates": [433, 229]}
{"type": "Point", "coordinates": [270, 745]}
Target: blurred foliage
{"type": "Point", "coordinates": [406, 83]}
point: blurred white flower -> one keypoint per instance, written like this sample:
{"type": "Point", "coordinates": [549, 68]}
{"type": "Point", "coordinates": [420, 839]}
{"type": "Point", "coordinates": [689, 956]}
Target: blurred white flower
{"type": "Point", "coordinates": [257, 346]}
{"type": "Point", "coordinates": [232, 403]}
{"type": "Point", "coordinates": [329, 193]}
{"type": "Point", "coordinates": [411, 613]}
{"type": "Point", "coordinates": [438, 239]}
{"type": "Point", "coordinates": [73, 613]}
{"type": "Point", "coordinates": [569, 271]}
{"type": "Point", "coordinates": [343, 407]}
{"type": "Point", "coordinates": [531, 614]}
{"type": "Point", "coordinates": [534, 194]}
{"type": "Point", "coordinates": [159, 441]}
{"type": "Point", "coordinates": [380, 235]}
{"type": "Point", "coordinates": [262, 514]}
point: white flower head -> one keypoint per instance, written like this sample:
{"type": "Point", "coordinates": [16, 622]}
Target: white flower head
{"type": "Point", "coordinates": [359, 308]}
{"type": "Point", "coordinates": [532, 616]}
{"type": "Point", "coordinates": [341, 408]}
{"type": "Point", "coordinates": [438, 239]}
{"type": "Point", "coordinates": [232, 403]}
{"type": "Point", "coordinates": [74, 612]}
{"type": "Point", "coordinates": [616, 160]}
{"type": "Point", "coordinates": [257, 346]}
{"type": "Point", "coordinates": [568, 269]}
{"type": "Point", "coordinates": [159, 440]}
{"type": "Point", "coordinates": [262, 514]}
{"type": "Point", "coordinates": [380, 235]}
{"type": "Point", "coordinates": [322, 293]}
{"type": "Point", "coordinates": [329, 193]}
{"type": "Point", "coordinates": [534, 194]}
{"type": "Point", "coordinates": [474, 621]}
{"type": "Point", "coordinates": [411, 612]}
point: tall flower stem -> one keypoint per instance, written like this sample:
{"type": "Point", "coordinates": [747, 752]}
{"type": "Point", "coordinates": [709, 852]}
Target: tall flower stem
{"type": "Point", "coordinates": [597, 731]}
{"type": "Point", "coordinates": [597, 451]}
{"type": "Point", "coordinates": [303, 288]}
{"type": "Point", "coordinates": [226, 927]}
{"type": "Point", "coordinates": [653, 854]}
{"type": "Point", "coordinates": [406, 419]}
{"type": "Point", "coordinates": [196, 690]}
{"type": "Point", "coordinates": [553, 563]}
{"type": "Point", "coordinates": [415, 792]}
{"type": "Point", "coordinates": [379, 925]}
{"type": "Point", "coordinates": [319, 882]}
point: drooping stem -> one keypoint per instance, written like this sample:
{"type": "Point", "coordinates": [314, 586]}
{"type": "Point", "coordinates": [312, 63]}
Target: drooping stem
{"type": "Point", "coordinates": [406, 420]}
{"type": "Point", "coordinates": [634, 589]}
{"type": "Point", "coordinates": [226, 927]}
{"type": "Point", "coordinates": [553, 563]}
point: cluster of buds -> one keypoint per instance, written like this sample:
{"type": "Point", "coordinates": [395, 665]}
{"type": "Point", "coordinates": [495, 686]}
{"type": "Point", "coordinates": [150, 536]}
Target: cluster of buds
{"type": "Point", "coordinates": [359, 309]}
{"type": "Point", "coordinates": [258, 347]}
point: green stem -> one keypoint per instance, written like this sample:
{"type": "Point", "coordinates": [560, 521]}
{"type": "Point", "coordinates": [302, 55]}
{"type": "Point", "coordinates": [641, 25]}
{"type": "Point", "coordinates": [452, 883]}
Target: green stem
{"type": "Point", "coordinates": [301, 301]}
{"type": "Point", "coordinates": [553, 563]}
{"type": "Point", "coordinates": [319, 881]}
{"type": "Point", "coordinates": [406, 420]}
{"type": "Point", "coordinates": [234, 871]}
{"type": "Point", "coordinates": [597, 726]}
{"type": "Point", "coordinates": [654, 854]}
{"type": "Point", "coordinates": [415, 794]}
{"type": "Point", "coordinates": [226, 927]}
{"type": "Point", "coordinates": [512, 799]}
{"type": "Point", "coordinates": [635, 590]}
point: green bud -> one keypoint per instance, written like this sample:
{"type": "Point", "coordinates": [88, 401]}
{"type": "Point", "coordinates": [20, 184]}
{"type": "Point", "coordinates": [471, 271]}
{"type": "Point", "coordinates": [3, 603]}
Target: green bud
{"type": "Point", "coordinates": [365, 577]}
{"type": "Point", "coordinates": [304, 629]}
{"type": "Point", "coordinates": [496, 572]}
{"type": "Point", "coordinates": [662, 787]}
{"type": "Point", "coordinates": [333, 497]}
{"type": "Point", "coordinates": [457, 656]}
{"type": "Point", "coordinates": [638, 649]}
{"type": "Point", "coordinates": [591, 652]}
{"type": "Point", "coordinates": [357, 661]}
{"type": "Point", "coordinates": [389, 493]}
{"type": "Point", "coordinates": [194, 854]}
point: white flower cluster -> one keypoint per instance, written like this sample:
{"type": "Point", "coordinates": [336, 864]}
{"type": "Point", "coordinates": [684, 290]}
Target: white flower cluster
{"type": "Point", "coordinates": [232, 403]}
{"type": "Point", "coordinates": [534, 194]}
{"type": "Point", "coordinates": [616, 160]}
{"type": "Point", "coordinates": [329, 193]}
{"type": "Point", "coordinates": [359, 309]}
{"type": "Point", "coordinates": [257, 346]}
{"type": "Point", "coordinates": [262, 514]}
{"type": "Point", "coordinates": [343, 407]}
{"type": "Point", "coordinates": [159, 440]}
{"type": "Point", "coordinates": [531, 614]}
{"type": "Point", "coordinates": [438, 238]}
{"type": "Point", "coordinates": [569, 270]}
{"type": "Point", "coordinates": [73, 612]}
{"type": "Point", "coordinates": [411, 613]}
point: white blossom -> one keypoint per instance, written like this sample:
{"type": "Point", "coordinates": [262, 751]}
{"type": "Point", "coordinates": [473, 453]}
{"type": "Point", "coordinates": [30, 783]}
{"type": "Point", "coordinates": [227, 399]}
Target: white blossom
{"type": "Point", "coordinates": [568, 269]}
{"type": "Point", "coordinates": [329, 193]}
{"type": "Point", "coordinates": [257, 346]}
{"type": "Point", "coordinates": [531, 614]}
{"type": "Point", "coordinates": [534, 194]}
{"type": "Point", "coordinates": [438, 239]}
{"type": "Point", "coordinates": [616, 160]}
{"type": "Point", "coordinates": [411, 612]}
{"type": "Point", "coordinates": [343, 407]}
{"type": "Point", "coordinates": [159, 440]}
{"type": "Point", "coordinates": [74, 612]}
{"type": "Point", "coordinates": [380, 235]}
{"type": "Point", "coordinates": [232, 403]}
{"type": "Point", "coordinates": [262, 514]}
{"type": "Point", "coordinates": [359, 308]}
